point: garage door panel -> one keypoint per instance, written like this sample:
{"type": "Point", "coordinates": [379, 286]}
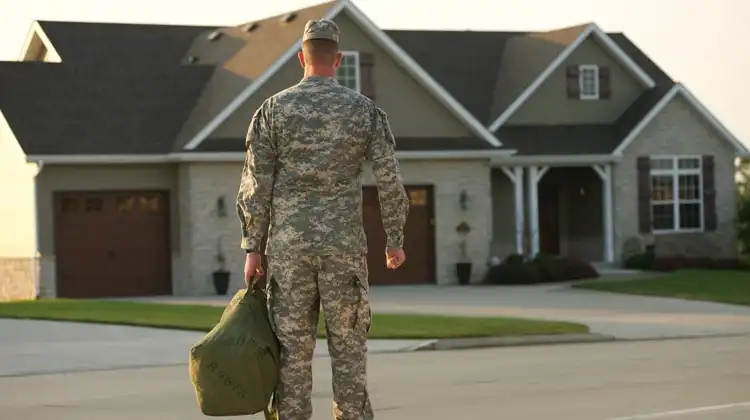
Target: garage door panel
{"type": "Point", "coordinates": [112, 244]}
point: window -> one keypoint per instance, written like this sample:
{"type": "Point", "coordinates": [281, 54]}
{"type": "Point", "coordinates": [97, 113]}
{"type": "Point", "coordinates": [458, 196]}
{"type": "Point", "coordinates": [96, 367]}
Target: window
{"type": "Point", "coordinates": [588, 81]}
{"type": "Point", "coordinates": [348, 72]}
{"type": "Point", "coordinates": [676, 194]}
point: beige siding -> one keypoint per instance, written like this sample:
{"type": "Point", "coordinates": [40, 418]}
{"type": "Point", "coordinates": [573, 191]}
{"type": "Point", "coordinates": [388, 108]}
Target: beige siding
{"type": "Point", "coordinates": [550, 103]}
{"type": "Point", "coordinates": [412, 111]}
{"type": "Point", "coordinates": [18, 238]}
{"type": "Point", "coordinates": [679, 130]}
{"type": "Point", "coordinates": [204, 230]}
{"type": "Point", "coordinates": [55, 178]}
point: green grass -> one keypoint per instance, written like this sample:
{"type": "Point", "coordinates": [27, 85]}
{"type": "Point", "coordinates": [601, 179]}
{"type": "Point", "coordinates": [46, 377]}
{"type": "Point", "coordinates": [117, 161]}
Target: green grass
{"type": "Point", "coordinates": [203, 318]}
{"type": "Point", "coordinates": [709, 285]}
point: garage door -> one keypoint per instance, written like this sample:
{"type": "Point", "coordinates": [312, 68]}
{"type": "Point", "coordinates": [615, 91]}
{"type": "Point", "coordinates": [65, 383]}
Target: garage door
{"type": "Point", "coordinates": [419, 240]}
{"type": "Point", "coordinates": [111, 244]}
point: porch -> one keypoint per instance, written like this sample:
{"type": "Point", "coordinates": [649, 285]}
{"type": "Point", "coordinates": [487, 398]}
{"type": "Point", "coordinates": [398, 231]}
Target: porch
{"type": "Point", "coordinates": [557, 210]}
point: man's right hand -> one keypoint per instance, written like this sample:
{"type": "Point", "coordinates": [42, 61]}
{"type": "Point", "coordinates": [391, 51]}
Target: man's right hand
{"type": "Point", "coordinates": [253, 267]}
{"type": "Point", "coordinates": [394, 259]}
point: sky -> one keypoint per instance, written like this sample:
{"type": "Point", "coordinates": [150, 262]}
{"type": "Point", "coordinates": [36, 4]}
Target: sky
{"type": "Point", "coordinates": [701, 43]}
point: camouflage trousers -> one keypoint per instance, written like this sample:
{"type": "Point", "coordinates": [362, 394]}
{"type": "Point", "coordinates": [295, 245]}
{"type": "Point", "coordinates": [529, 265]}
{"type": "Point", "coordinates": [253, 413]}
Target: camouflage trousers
{"type": "Point", "coordinates": [297, 287]}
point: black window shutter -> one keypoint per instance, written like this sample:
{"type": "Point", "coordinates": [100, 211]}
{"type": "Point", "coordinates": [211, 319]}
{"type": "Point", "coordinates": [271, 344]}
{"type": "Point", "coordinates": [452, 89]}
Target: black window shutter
{"type": "Point", "coordinates": [644, 194]}
{"type": "Point", "coordinates": [710, 221]}
{"type": "Point", "coordinates": [367, 74]}
{"type": "Point", "coordinates": [574, 87]}
{"type": "Point", "coordinates": [605, 84]}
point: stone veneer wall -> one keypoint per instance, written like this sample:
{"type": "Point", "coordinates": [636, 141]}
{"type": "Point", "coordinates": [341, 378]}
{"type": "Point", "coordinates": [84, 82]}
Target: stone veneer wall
{"type": "Point", "coordinates": [678, 130]}
{"type": "Point", "coordinates": [204, 230]}
{"type": "Point", "coordinates": [17, 278]}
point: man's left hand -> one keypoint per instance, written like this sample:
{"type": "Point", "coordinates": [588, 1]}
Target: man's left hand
{"type": "Point", "coordinates": [253, 267]}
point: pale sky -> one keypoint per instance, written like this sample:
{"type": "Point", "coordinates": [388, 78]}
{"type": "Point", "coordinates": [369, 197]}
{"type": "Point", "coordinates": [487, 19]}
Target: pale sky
{"type": "Point", "coordinates": [702, 43]}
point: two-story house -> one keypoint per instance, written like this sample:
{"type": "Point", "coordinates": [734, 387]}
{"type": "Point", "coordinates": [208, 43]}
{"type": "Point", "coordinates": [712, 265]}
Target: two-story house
{"type": "Point", "coordinates": [568, 142]}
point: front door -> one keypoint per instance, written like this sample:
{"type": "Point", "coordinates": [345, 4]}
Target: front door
{"type": "Point", "coordinates": [549, 219]}
{"type": "Point", "coordinates": [419, 239]}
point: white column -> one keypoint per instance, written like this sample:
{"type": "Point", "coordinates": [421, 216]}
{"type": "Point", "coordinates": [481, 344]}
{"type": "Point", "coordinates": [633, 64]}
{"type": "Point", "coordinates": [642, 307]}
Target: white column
{"type": "Point", "coordinates": [516, 176]}
{"type": "Point", "coordinates": [535, 174]}
{"type": "Point", "coordinates": [605, 173]}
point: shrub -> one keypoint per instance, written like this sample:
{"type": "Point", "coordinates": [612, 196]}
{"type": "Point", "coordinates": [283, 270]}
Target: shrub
{"type": "Point", "coordinates": [549, 267]}
{"type": "Point", "coordinates": [678, 262]}
{"type": "Point", "coordinates": [512, 273]}
{"type": "Point", "coordinates": [577, 269]}
{"type": "Point", "coordinates": [514, 259]}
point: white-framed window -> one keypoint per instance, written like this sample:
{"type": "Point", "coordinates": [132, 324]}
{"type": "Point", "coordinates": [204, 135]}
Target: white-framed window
{"type": "Point", "coordinates": [588, 81]}
{"type": "Point", "coordinates": [348, 73]}
{"type": "Point", "coordinates": [676, 194]}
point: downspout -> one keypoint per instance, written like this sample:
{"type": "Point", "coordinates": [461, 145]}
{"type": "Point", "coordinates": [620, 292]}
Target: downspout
{"type": "Point", "coordinates": [36, 261]}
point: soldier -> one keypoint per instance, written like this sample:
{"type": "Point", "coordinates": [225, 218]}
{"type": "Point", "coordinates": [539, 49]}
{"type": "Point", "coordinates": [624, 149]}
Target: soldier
{"type": "Point", "coordinates": [301, 184]}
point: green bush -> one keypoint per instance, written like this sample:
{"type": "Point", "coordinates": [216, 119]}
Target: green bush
{"type": "Point", "coordinates": [512, 273]}
{"type": "Point", "coordinates": [678, 262]}
{"type": "Point", "coordinates": [550, 268]}
{"type": "Point", "coordinates": [578, 269]}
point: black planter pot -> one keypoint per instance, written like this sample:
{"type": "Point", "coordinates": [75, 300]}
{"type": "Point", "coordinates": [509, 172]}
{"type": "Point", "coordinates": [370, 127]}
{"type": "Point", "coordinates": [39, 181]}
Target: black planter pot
{"type": "Point", "coordinates": [463, 272]}
{"type": "Point", "coordinates": [221, 282]}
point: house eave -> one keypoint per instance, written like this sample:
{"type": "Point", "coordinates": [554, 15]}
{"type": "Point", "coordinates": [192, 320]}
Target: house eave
{"type": "Point", "coordinates": [554, 160]}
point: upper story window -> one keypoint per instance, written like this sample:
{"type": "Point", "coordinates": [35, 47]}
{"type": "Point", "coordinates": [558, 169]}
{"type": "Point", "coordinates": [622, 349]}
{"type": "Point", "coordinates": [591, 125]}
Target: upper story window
{"type": "Point", "coordinates": [348, 72]}
{"type": "Point", "coordinates": [588, 81]}
{"type": "Point", "coordinates": [676, 194]}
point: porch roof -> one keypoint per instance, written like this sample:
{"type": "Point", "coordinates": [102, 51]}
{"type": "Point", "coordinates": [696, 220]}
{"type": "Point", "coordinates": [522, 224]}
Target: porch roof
{"type": "Point", "coordinates": [560, 139]}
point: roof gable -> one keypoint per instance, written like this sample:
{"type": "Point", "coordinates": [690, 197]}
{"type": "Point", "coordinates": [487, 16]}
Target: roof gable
{"type": "Point", "coordinates": [680, 90]}
{"type": "Point", "coordinates": [408, 63]}
{"type": "Point", "coordinates": [592, 30]}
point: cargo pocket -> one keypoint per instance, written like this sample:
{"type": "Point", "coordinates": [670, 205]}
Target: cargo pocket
{"type": "Point", "coordinates": [363, 318]}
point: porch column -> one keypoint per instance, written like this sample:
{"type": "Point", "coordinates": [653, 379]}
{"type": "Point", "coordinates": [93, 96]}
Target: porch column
{"type": "Point", "coordinates": [535, 175]}
{"type": "Point", "coordinates": [605, 173]}
{"type": "Point", "coordinates": [516, 177]}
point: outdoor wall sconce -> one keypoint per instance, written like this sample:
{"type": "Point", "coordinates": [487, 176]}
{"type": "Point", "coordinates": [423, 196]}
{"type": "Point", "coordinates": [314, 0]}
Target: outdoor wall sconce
{"type": "Point", "coordinates": [463, 200]}
{"type": "Point", "coordinates": [221, 207]}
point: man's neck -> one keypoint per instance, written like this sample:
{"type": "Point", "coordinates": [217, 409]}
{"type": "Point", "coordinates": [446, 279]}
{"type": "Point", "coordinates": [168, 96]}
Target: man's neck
{"type": "Point", "coordinates": [319, 72]}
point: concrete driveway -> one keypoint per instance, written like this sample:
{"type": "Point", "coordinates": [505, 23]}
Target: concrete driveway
{"type": "Point", "coordinates": [622, 316]}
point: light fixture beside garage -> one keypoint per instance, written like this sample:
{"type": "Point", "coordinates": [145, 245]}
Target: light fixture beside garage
{"type": "Point", "coordinates": [221, 207]}
{"type": "Point", "coordinates": [463, 200]}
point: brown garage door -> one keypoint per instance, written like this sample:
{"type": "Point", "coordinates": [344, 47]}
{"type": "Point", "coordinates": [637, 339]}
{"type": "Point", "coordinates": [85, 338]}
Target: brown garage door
{"type": "Point", "coordinates": [419, 240]}
{"type": "Point", "coordinates": [110, 244]}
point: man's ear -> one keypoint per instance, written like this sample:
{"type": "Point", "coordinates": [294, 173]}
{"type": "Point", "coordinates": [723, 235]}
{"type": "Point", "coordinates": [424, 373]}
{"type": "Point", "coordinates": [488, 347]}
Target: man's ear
{"type": "Point", "coordinates": [301, 58]}
{"type": "Point", "coordinates": [339, 56]}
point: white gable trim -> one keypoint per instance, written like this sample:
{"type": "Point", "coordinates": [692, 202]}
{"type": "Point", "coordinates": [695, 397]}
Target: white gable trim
{"type": "Point", "coordinates": [36, 29]}
{"type": "Point", "coordinates": [611, 46]}
{"type": "Point", "coordinates": [697, 105]}
{"type": "Point", "coordinates": [386, 43]}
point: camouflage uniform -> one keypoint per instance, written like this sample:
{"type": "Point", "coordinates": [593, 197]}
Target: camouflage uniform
{"type": "Point", "coordinates": [301, 184]}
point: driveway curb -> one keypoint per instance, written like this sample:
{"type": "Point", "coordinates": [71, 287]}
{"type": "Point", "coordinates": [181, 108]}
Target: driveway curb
{"type": "Point", "coordinates": [533, 340]}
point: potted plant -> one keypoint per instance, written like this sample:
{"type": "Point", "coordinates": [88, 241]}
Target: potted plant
{"type": "Point", "coordinates": [463, 266]}
{"type": "Point", "coordinates": [220, 275]}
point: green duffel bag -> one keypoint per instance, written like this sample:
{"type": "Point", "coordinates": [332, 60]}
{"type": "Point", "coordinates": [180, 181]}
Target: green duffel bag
{"type": "Point", "coordinates": [235, 367]}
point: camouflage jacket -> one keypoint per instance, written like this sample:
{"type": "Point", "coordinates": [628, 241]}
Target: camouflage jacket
{"type": "Point", "coordinates": [302, 179]}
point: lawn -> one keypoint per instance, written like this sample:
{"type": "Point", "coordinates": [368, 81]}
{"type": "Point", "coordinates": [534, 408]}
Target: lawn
{"type": "Point", "coordinates": [711, 285]}
{"type": "Point", "coordinates": [203, 318]}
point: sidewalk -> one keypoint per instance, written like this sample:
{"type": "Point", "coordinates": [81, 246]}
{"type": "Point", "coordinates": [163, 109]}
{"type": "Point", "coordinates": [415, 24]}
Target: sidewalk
{"type": "Point", "coordinates": [33, 347]}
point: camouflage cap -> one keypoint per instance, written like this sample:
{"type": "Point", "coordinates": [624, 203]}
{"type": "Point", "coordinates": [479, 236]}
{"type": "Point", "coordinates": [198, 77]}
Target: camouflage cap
{"type": "Point", "coordinates": [321, 29]}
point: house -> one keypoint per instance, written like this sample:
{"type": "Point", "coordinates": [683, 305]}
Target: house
{"type": "Point", "coordinates": [568, 142]}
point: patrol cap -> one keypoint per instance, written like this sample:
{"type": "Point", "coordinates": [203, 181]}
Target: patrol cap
{"type": "Point", "coordinates": [321, 29]}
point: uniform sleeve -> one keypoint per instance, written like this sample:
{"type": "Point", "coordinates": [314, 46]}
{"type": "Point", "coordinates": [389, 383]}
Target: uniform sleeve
{"type": "Point", "coordinates": [394, 204]}
{"type": "Point", "coordinates": [258, 176]}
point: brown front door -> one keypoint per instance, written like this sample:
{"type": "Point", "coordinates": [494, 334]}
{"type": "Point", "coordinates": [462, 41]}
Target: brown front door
{"type": "Point", "coordinates": [549, 219]}
{"type": "Point", "coordinates": [111, 244]}
{"type": "Point", "coordinates": [419, 239]}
